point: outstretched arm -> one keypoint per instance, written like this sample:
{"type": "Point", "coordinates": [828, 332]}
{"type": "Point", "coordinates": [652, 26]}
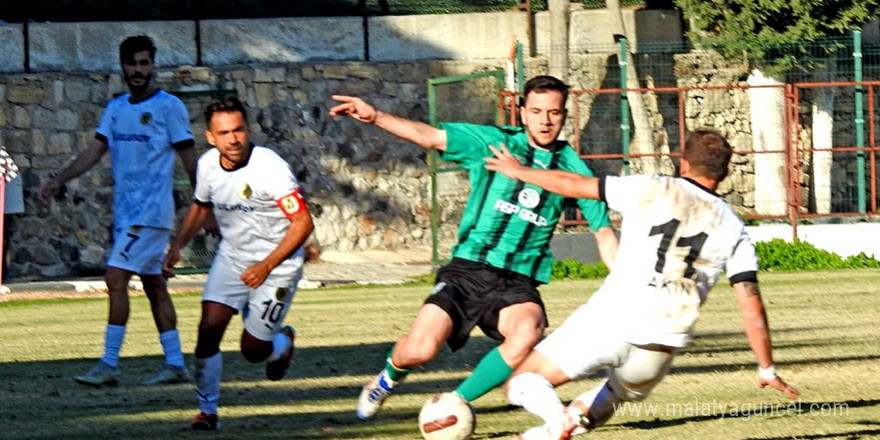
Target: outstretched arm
{"type": "Point", "coordinates": [748, 297]}
{"type": "Point", "coordinates": [85, 161]}
{"type": "Point", "coordinates": [419, 133]}
{"type": "Point", "coordinates": [564, 183]}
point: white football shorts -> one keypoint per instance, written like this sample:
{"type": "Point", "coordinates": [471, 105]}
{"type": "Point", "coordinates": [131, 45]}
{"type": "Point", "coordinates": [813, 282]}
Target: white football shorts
{"type": "Point", "coordinates": [139, 249]}
{"type": "Point", "coordinates": [263, 309]}
{"type": "Point", "coordinates": [589, 341]}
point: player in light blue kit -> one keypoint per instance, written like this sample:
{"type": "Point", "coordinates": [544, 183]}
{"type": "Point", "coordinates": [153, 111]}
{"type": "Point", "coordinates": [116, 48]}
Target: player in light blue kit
{"type": "Point", "coordinates": [142, 130]}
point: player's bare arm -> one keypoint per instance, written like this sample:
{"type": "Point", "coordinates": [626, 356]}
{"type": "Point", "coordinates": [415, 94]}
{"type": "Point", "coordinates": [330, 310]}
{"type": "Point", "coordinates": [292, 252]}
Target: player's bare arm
{"type": "Point", "coordinates": [419, 133]}
{"type": "Point", "coordinates": [188, 228]}
{"type": "Point", "coordinates": [748, 297]}
{"type": "Point", "coordinates": [84, 162]}
{"type": "Point", "coordinates": [564, 183]}
{"type": "Point", "coordinates": [189, 160]}
{"type": "Point", "coordinates": [606, 242]}
{"type": "Point", "coordinates": [301, 226]}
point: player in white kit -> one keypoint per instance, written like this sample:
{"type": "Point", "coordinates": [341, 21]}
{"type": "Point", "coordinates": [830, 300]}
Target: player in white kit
{"type": "Point", "coordinates": [677, 236]}
{"type": "Point", "coordinates": [142, 130]}
{"type": "Point", "coordinates": [264, 223]}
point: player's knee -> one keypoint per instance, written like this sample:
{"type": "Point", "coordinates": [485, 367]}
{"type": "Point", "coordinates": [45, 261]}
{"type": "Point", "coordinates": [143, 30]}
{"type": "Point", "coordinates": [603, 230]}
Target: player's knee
{"type": "Point", "coordinates": [414, 351]}
{"type": "Point", "coordinates": [155, 287]}
{"type": "Point", "coordinates": [116, 281]}
{"type": "Point", "coordinates": [629, 390]}
{"type": "Point", "coordinates": [254, 350]}
{"type": "Point", "coordinates": [517, 346]}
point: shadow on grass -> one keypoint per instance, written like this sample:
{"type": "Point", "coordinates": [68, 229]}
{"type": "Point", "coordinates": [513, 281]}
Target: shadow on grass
{"type": "Point", "coordinates": [41, 400]}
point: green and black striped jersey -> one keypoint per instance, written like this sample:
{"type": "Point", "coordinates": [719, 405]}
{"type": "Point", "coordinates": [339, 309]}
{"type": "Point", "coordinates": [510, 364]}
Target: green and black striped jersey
{"type": "Point", "coordinates": [507, 223]}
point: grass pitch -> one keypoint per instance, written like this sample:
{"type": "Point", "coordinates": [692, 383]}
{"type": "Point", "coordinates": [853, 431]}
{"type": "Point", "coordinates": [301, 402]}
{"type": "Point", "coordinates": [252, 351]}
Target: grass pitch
{"type": "Point", "coordinates": [825, 334]}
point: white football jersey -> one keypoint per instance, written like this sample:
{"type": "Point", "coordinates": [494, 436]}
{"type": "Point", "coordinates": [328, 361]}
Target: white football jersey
{"type": "Point", "coordinates": [140, 137]}
{"type": "Point", "coordinates": [676, 238]}
{"type": "Point", "coordinates": [249, 204]}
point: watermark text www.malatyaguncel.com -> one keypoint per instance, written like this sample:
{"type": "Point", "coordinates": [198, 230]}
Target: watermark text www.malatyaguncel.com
{"type": "Point", "coordinates": [746, 410]}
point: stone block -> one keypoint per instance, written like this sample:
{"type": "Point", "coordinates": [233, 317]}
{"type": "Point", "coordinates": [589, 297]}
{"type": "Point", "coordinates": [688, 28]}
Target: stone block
{"type": "Point", "coordinates": [281, 40]}
{"type": "Point", "coordinates": [25, 95]}
{"type": "Point", "coordinates": [87, 47]}
{"type": "Point", "coordinates": [60, 143]}
{"type": "Point", "coordinates": [445, 36]}
{"type": "Point", "coordinates": [12, 48]}
{"type": "Point", "coordinates": [274, 75]}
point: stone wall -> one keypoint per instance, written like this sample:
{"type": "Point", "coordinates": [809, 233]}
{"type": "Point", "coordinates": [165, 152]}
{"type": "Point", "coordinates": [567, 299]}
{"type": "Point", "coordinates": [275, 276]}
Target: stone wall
{"type": "Point", "coordinates": [365, 188]}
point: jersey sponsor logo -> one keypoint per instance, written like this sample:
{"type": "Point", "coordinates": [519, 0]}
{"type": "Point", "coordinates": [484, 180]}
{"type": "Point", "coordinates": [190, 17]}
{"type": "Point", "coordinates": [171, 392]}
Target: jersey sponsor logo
{"type": "Point", "coordinates": [130, 137]}
{"type": "Point", "coordinates": [524, 214]}
{"type": "Point", "coordinates": [234, 207]}
{"type": "Point", "coordinates": [245, 192]}
{"type": "Point", "coordinates": [146, 117]}
{"type": "Point", "coordinates": [529, 198]}
{"type": "Point", "coordinates": [291, 203]}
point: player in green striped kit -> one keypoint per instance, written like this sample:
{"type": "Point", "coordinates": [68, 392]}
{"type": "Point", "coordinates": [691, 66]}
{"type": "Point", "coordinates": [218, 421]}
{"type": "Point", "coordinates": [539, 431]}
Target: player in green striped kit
{"type": "Point", "coordinates": [503, 250]}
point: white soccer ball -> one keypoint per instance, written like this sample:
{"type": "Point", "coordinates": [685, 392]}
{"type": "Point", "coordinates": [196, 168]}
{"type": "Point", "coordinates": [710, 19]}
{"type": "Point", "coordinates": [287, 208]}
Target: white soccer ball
{"type": "Point", "coordinates": [447, 417]}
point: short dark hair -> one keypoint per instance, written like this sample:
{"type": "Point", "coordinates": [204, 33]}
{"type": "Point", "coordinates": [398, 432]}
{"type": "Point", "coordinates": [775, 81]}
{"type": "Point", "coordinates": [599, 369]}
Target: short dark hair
{"type": "Point", "coordinates": [544, 83]}
{"type": "Point", "coordinates": [135, 44]}
{"type": "Point", "coordinates": [226, 104]}
{"type": "Point", "coordinates": [708, 153]}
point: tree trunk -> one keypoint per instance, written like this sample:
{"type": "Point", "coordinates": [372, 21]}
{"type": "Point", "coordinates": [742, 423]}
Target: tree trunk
{"type": "Point", "coordinates": [766, 107]}
{"type": "Point", "coordinates": [559, 13]}
{"type": "Point", "coordinates": [823, 128]}
{"type": "Point", "coordinates": [645, 140]}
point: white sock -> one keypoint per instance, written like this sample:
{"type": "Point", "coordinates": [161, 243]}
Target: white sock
{"type": "Point", "coordinates": [113, 337]}
{"type": "Point", "coordinates": [280, 344]}
{"type": "Point", "coordinates": [536, 395]}
{"type": "Point", "coordinates": [208, 372]}
{"type": "Point", "coordinates": [170, 341]}
{"type": "Point", "coordinates": [601, 402]}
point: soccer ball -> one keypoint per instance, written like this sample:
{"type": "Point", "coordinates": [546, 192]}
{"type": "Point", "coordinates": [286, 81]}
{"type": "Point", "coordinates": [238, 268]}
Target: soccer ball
{"type": "Point", "coordinates": [447, 417]}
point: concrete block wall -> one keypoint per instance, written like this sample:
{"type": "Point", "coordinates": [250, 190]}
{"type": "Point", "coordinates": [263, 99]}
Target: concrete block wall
{"type": "Point", "coordinates": [93, 47]}
{"type": "Point", "coordinates": [12, 48]}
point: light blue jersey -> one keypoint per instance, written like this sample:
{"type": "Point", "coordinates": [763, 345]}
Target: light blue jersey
{"type": "Point", "coordinates": [140, 137]}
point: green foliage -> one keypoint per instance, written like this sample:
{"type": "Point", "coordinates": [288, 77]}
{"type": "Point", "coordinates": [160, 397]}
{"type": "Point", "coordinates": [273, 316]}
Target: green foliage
{"type": "Point", "coordinates": [759, 29]}
{"type": "Point", "coordinates": [781, 255]}
{"type": "Point", "coordinates": [776, 255]}
{"type": "Point", "coordinates": [572, 269]}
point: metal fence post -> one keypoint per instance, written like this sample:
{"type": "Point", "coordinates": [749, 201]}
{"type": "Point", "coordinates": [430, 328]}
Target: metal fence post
{"type": "Point", "coordinates": [859, 119]}
{"type": "Point", "coordinates": [624, 103]}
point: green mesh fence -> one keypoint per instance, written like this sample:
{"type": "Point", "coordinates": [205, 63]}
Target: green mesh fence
{"type": "Point", "coordinates": [466, 98]}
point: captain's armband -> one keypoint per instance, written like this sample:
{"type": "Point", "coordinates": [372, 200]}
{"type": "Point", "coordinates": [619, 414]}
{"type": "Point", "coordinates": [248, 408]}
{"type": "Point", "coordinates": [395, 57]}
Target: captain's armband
{"type": "Point", "coordinates": [291, 203]}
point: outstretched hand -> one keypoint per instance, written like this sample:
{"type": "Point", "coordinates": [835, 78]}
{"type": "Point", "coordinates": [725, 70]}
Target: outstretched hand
{"type": "Point", "coordinates": [780, 385]}
{"type": "Point", "coordinates": [355, 107]}
{"type": "Point", "coordinates": [504, 162]}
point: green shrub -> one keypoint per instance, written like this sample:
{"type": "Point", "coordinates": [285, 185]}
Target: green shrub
{"type": "Point", "coordinates": [572, 269]}
{"type": "Point", "coordinates": [774, 256]}
{"type": "Point", "coordinates": [782, 255]}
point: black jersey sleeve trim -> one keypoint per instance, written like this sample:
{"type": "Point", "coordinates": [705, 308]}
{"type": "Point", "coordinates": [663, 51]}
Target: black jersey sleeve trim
{"type": "Point", "coordinates": [602, 189]}
{"type": "Point", "coordinates": [750, 276]}
{"type": "Point", "coordinates": [204, 204]}
{"type": "Point", "coordinates": [183, 145]}
{"type": "Point", "coordinates": [101, 138]}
